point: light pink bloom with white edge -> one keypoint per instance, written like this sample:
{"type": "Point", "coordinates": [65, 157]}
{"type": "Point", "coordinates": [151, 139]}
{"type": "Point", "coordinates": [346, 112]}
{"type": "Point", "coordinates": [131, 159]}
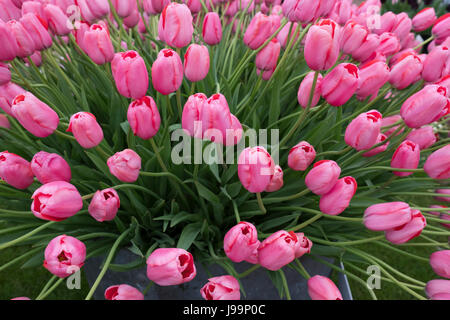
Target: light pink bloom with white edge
{"type": "Point", "coordinates": [340, 84]}
{"type": "Point", "coordinates": [276, 183]}
{"type": "Point", "coordinates": [85, 129]}
{"type": "Point", "coordinates": [64, 256]}
{"type": "Point", "coordinates": [50, 167]}
{"type": "Point", "coordinates": [241, 243]}
{"type": "Point", "coordinates": [424, 19]}
{"type": "Point", "coordinates": [104, 205]}
{"type": "Point", "coordinates": [278, 250]}
{"type": "Point", "coordinates": [196, 62]}
{"type": "Point", "coordinates": [301, 156]}
{"type": "Point", "coordinates": [221, 288]}
{"type": "Point", "coordinates": [255, 169]}
{"type": "Point", "coordinates": [167, 72]}
{"type": "Point", "coordinates": [338, 198]}
{"type": "Point", "coordinates": [130, 74]}
{"type": "Point", "coordinates": [363, 131]}
{"type": "Point", "coordinates": [386, 216]}
{"type": "Point", "coordinates": [123, 292]}
{"type": "Point", "coordinates": [409, 230]}
{"type": "Point", "coordinates": [438, 289]}
{"type": "Point", "coordinates": [170, 266]}
{"type": "Point", "coordinates": [424, 137]}
{"type": "Point", "coordinates": [176, 25]}
{"type": "Point", "coordinates": [322, 288]}
{"type": "Point", "coordinates": [323, 176]}
{"type": "Point", "coordinates": [212, 29]}
{"type": "Point", "coordinates": [125, 165]}
{"type": "Point", "coordinates": [143, 117]}
{"type": "Point", "coordinates": [15, 170]}
{"type": "Point", "coordinates": [304, 91]}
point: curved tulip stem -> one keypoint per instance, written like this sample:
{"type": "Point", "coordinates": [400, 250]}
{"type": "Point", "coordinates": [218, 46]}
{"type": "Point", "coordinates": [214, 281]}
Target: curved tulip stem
{"type": "Point", "coordinates": [260, 203]}
{"type": "Point", "coordinates": [308, 222]}
{"type": "Point", "coordinates": [44, 295]}
{"type": "Point", "coordinates": [64, 135]}
{"type": "Point", "coordinates": [387, 168]}
{"type": "Point", "coordinates": [285, 285]}
{"type": "Point", "coordinates": [148, 288]}
{"type": "Point", "coordinates": [26, 236]}
{"type": "Point", "coordinates": [423, 43]}
{"type": "Point", "coordinates": [248, 271]}
{"type": "Point", "coordinates": [87, 197]}
{"type": "Point", "coordinates": [302, 268]}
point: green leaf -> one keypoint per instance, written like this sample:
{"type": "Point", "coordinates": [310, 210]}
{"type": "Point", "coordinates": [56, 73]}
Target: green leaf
{"type": "Point", "coordinates": [206, 193]}
{"type": "Point", "coordinates": [189, 234]}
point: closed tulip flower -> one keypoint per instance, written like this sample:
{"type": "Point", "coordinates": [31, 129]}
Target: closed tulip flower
{"type": "Point", "coordinates": [8, 92]}
{"type": "Point", "coordinates": [424, 19]}
{"type": "Point", "coordinates": [143, 117]}
{"type": "Point", "coordinates": [123, 292]}
{"type": "Point", "coordinates": [194, 5]}
{"type": "Point", "coordinates": [25, 44]}
{"type": "Point", "coordinates": [406, 71]}
{"type": "Point", "coordinates": [258, 31]}
{"type": "Point", "coordinates": [57, 20]}
{"type": "Point", "coordinates": [367, 48]}
{"type": "Point", "coordinates": [443, 192]}
{"type": "Point", "coordinates": [340, 84]}
{"type": "Point", "coordinates": [191, 118]}
{"type": "Point", "coordinates": [278, 250]}
{"type": "Point", "coordinates": [15, 170]}
{"type": "Point", "coordinates": [104, 205]}
{"type": "Point", "coordinates": [408, 231]}
{"type": "Point", "coordinates": [440, 262]}
{"type": "Point", "coordinates": [352, 36]}
{"type": "Point", "coordinates": [304, 246]}
{"type": "Point", "coordinates": [438, 289]}
{"type": "Point", "coordinates": [441, 28]}
{"type": "Point", "coordinates": [5, 74]}
{"type": "Point", "coordinates": [167, 72]}
{"type": "Point", "coordinates": [407, 156]}
{"type": "Point", "coordinates": [64, 255]}
{"type": "Point", "coordinates": [255, 169]}
{"type": "Point", "coordinates": [437, 165]}
{"type": "Point", "coordinates": [267, 58]}
{"type": "Point", "coordinates": [304, 91]}
{"type": "Point", "coordinates": [196, 62]}
{"type": "Point", "coordinates": [436, 64]}
{"type": "Point", "coordinates": [176, 25]}
{"type": "Point", "coordinates": [130, 74]}
{"type": "Point", "coordinates": [125, 165]}
{"type": "Point", "coordinates": [38, 30]}
{"type": "Point", "coordinates": [221, 288]}
{"type": "Point", "coordinates": [379, 149]}
{"type": "Point", "coordinates": [322, 288]}
{"type": "Point", "coordinates": [386, 216]}
{"type": "Point", "coordinates": [338, 198]}
{"type": "Point", "coordinates": [4, 122]}
{"type": "Point", "coordinates": [389, 44]}
{"type": "Point", "coordinates": [322, 177]}
{"type": "Point", "coordinates": [301, 156]}
{"type": "Point", "coordinates": [8, 10]}
{"type": "Point", "coordinates": [212, 29]}
{"type": "Point", "coordinates": [92, 10]}
{"type": "Point", "coordinates": [170, 266]}
{"type": "Point", "coordinates": [276, 183]}
{"type": "Point", "coordinates": [50, 167]}
{"type": "Point", "coordinates": [363, 131]}
{"type": "Point", "coordinates": [158, 5]}
{"type": "Point", "coordinates": [98, 45]}
{"type": "Point", "coordinates": [35, 7]}
{"type": "Point", "coordinates": [124, 8]}
{"type": "Point", "coordinates": [85, 129]}
{"type": "Point", "coordinates": [342, 11]}
{"type": "Point", "coordinates": [287, 33]}
{"type": "Point", "coordinates": [34, 115]}
{"type": "Point", "coordinates": [425, 106]}
{"type": "Point", "coordinates": [241, 243]}
{"type": "Point", "coordinates": [424, 137]}
{"type": "Point", "coordinates": [303, 11]}
{"type": "Point", "coordinates": [372, 76]}
{"type": "Point", "coordinates": [403, 26]}
{"type": "Point", "coordinates": [322, 45]}
{"type": "Point", "coordinates": [56, 201]}
{"type": "Point", "coordinates": [133, 19]}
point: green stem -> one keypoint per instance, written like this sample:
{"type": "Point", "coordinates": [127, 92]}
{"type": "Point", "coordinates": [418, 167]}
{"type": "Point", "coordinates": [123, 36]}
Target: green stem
{"type": "Point", "coordinates": [260, 203]}
{"type": "Point", "coordinates": [26, 236]}
{"type": "Point", "coordinates": [285, 285]}
{"type": "Point", "coordinates": [248, 271]}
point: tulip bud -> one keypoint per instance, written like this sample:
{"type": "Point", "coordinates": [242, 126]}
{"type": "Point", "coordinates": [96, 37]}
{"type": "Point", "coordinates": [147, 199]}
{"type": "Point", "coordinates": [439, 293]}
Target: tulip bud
{"type": "Point", "coordinates": [424, 137]}
{"type": "Point", "coordinates": [221, 288]}
{"type": "Point", "coordinates": [322, 177]}
{"type": "Point", "coordinates": [167, 72]}
{"type": "Point", "coordinates": [267, 58]}
{"type": "Point", "coordinates": [338, 198]}
{"type": "Point", "coordinates": [443, 192]}
{"type": "Point", "coordinates": [424, 19]}
{"type": "Point", "coordinates": [35, 7]}
{"type": "Point", "coordinates": [407, 156]}
{"type": "Point", "coordinates": [123, 292]}
{"type": "Point", "coordinates": [56, 201]}
{"type": "Point", "coordinates": [276, 182]}
{"type": "Point", "coordinates": [92, 10]}
{"type": "Point", "coordinates": [50, 167]}
{"type": "Point", "coordinates": [9, 43]}
{"type": "Point", "coordinates": [170, 266]}
{"type": "Point", "coordinates": [304, 11]}
{"type": "Point", "coordinates": [258, 31]}
{"type": "Point", "coordinates": [143, 117]}
{"type": "Point", "coordinates": [196, 62]}
{"type": "Point", "coordinates": [322, 45]}
{"type": "Point", "coordinates": [437, 165]}
{"type": "Point", "coordinates": [441, 28]}
{"type": "Point", "coordinates": [255, 169]}
{"type": "Point", "coordinates": [372, 76]}
{"type": "Point", "coordinates": [124, 8]}
{"type": "Point", "coordinates": [212, 29]}
{"type": "Point", "coordinates": [377, 150]}
{"type": "Point", "coordinates": [8, 92]}
{"type": "Point", "coordinates": [363, 131]}
{"type": "Point", "coordinates": [304, 91]}
{"type": "Point", "coordinates": [194, 5]}
{"type": "Point", "coordinates": [241, 243]}
{"type": "Point", "coordinates": [157, 5]}
{"type": "Point", "coordinates": [104, 205]}
{"type": "Point", "coordinates": [86, 129]}
{"type": "Point", "coordinates": [301, 156]}
{"type": "Point", "coordinates": [367, 48]}
{"type": "Point", "coordinates": [125, 165]}
{"type": "Point", "coordinates": [389, 44]}
{"type": "Point", "coordinates": [406, 71]}
{"type": "Point", "coordinates": [38, 30]}
{"type": "Point", "coordinates": [25, 44]}
{"type": "Point", "coordinates": [436, 63]}
{"type": "Point", "coordinates": [403, 26]}
{"type": "Point", "coordinates": [287, 33]}
{"type": "Point", "coordinates": [342, 11]}
{"type": "Point", "coordinates": [98, 45]}
{"type": "Point", "coordinates": [438, 289]}
{"type": "Point", "coordinates": [265, 74]}
{"type": "Point", "coordinates": [5, 74]}
{"type": "Point", "coordinates": [57, 20]}
{"type": "Point", "coordinates": [322, 288]}
{"type": "Point", "coordinates": [34, 115]}
{"type": "Point", "coordinates": [352, 37]}
{"type": "Point", "coordinates": [4, 123]}
{"type": "Point", "coordinates": [304, 246]}
{"type": "Point", "coordinates": [278, 250]}
{"type": "Point", "coordinates": [340, 84]}
{"type": "Point", "coordinates": [440, 262]}
{"type": "Point", "coordinates": [176, 25]}
{"type": "Point", "coordinates": [64, 255]}
{"type": "Point", "coordinates": [386, 216]}
{"type": "Point", "coordinates": [191, 118]}
{"type": "Point", "coordinates": [409, 230]}
{"type": "Point", "coordinates": [15, 170]}
{"type": "Point", "coordinates": [388, 122]}
{"type": "Point", "coordinates": [425, 106]}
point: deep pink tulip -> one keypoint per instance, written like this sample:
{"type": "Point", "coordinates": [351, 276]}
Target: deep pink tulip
{"type": "Point", "coordinates": [386, 216]}
{"type": "Point", "coordinates": [133, 19]}
{"type": "Point", "coordinates": [445, 82]}
{"type": "Point", "coordinates": [440, 262]}
{"type": "Point", "coordinates": [212, 29]}
{"type": "Point", "coordinates": [276, 182]}
{"type": "Point", "coordinates": [426, 106]}
{"type": "Point", "coordinates": [167, 72]}
{"type": "Point", "coordinates": [363, 131]}
{"type": "Point", "coordinates": [322, 45]}
{"type": "Point", "coordinates": [443, 192]}
{"type": "Point", "coordinates": [424, 19]}
{"type": "Point", "coordinates": [368, 48]}
{"type": "Point", "coordinates": [353, 36]}
{"type": "Point", "coordinates": [38, 30]}
{"type": "Point", "coordinates": [278, 250]}
{"type": "Point", "coordinates": [143, 117]}
{"type": "Point", "coordinates": [304, 91]}
{"type": "Point", "coordinates": [372, 76]}
{"type": "Point", "coordinates": [123, 292]}
{"type": "Point", "coordinates": [441, 28]}
{"type": "Point", "coordinates": [258, 31]}
{"type": "Point", "coordinates": [241, 243]}
{"type": "Point", "coordinates": [338, 198]}
{"type": "Point", "coordinates": [196, 62]}
{"type": "Point", "coordinates": [64, 255]}
{"type": "Point", "coordinates": [301, 156]}
{"type": "Point", "coordinates": [25, 44]}
{"type": "Point", "coordinates": [267, 58]}
{"type": "Point", "coordinates": [437, 165]}
{"type": "Point", "coordinates": [57, 20]}
{"type": "Point", "coordinates": [438, 289]}
{"type": "Point", "coordinates": [389, 44]}
{"type": "Point", "coordinates": [35, 7]}
{"type": "Point", "coordinates": [4, 122]}
{"type": "Point", "coordinates": [8, 92]}
{"type": "Point", "coordinates": [85, 129]}
{"type": "Point", "coordinates": [124, 8]}
{"type": "Point", "coordinates": [34, 115]}
{"type": "Point", "coordinates": [407, 156]}
{"type": "Point", "coordinates": [98, 45]}
{"type": "Point", "coordinates": [176, 25]}
{"type": "Point", "coordinates": [436, 64]}
{"type": "Point", "coordinates": [8, 11]}
{"type": "Point", "coordinates": [322, 177]}
{"type": "Point", "coordinates": [5, 74]}
{"type": "Point", "coordinates": [92, 10]}
{"type": "Point", "coordinates": [406, 71]}
{"type": "Point", "coordinates": [424, 137]}
{"type": "Point", "coordinates": [379, 149]}
{"type": "Point", "coordinates": [409, 230]}
{"type": "Point", "coordinates": [56, 201]}
{"type": "Point", "coordinates": [125, 165]}
{"type": "Point", "coordinates": [221, 288]}
{"type": "Point", "coordinates": [15, 170]}
{"type": "Point", "coordinates": [170, 266]}
{"type": "Point", "coordinates": [255, 169]}
{"type": "Point", "coordinates": [322, 288]}
{"type": "Point", "coordinates": [104, 205]}
{"type": "Point", "coordinates": [191, 118]}
{"type": "Point", "coordinates": [50, 167]}
{"type": "Point", "coordinates": [130, 74]}
{"type": "Point", "coordinates": [304, 11]}
{"type": "Point", "coordinates": [36, 58]}
{"type": "Point", "coordinates": [340, 84]}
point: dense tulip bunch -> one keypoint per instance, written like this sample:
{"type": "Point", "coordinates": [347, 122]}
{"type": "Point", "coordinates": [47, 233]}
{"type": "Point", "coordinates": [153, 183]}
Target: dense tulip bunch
{"type": "Point", "coordinates": [225, 132]}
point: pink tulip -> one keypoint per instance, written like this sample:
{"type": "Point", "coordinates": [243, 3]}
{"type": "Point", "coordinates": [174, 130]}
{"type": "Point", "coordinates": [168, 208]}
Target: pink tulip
{"type": "Point", "coordinates": [50, 167]}
{"type": "Point", "coordinates": [438, 289]}
{"type": "Point", "coordinates": [196, 62]}
{"type": "Point", "coordinates": [322, 288]}
{"type": "Point", "coordinates": [340, 84]}
{"type": "Point", "coordinates": [176, 25]}
{"type": "Point", "coordinates": [322, 45]}
{"type": "Point", "coordinates": [21, 298]}
{"type": "Point", "coordinates": [98, 45]}
{"type": "Point", "coordinates": [304, 11]}
{"type": "Point", "coordinates": [125, 165]}
{"type": "Point", "coordinates": [304, 246]}
{"type": "Point", "coordinates": [265, 74]}
{"type": "Point", "coordinates": [85, 129]}
{"type": "Point", "coordinates": [170, 266]}
{"type": "Point", "coordinates": [25, 44]}
{"type": "Point", "coordinates": [388, 122]}
{"type": "Point", "coordinates": [372, 77]}
{"type": "Point", "coordinates": [440, 262]}
{"type": "Point", "coordinates": [104, 205]}
{"type": "Point", "coordinates": [406, 71]}
{"type": "Point", "coordinates": [322, 177]}
{"type": "Point", "coordinates": [241, 243]}
{"type": "Point", "coordinates": [8, 11]}
{"type": "Point", "coordinates": [426, 106]}
{"type": "Point", "coordinates": [437, 165]}
{"type": "Point", "coordinates": [5, 74]}
{"type": "Point", "coordinates": [408, 231]}
{"type": "Point", "coordinates": [35, 7]}
{"type": "Point", "coordinates": [194, 5]}
{"type": "Point", "coordinates": [38, 30]}
{"type": "Point", "coordinates": [301, 156]}
{"type": "Point", "coordinates": [255, 169]}
{"type": "Point", "coordinates": [424, 137]}
{"type": "Point", "coordinates": [191, 118]}
{"type": "Point", "coordinates": [362, 133]}
{"type": "Point", "coordinates": [130, 74]}
{"type": "Point", "coordinates": [267, 58]}
{"type": "Point", "coordinates": [64, 255]}
{"type": "Point", "coordinates": [143, 117]}
{"type": "Point", "coordinates": [276, 183]}
{"type": "Point", "coordinates": [167, 72]}
{"type": "Point", "coordinates": [133, 19]}
{"type": "Point", "coordinates": [367, 48]}
{"type": "Point", "coordinates": [443, 192]}
{"type": "Point", "coordinates": [353, 36]}
{"type": "Point", "coordinates": [34, 115]}
{"type": "Point", "coordinates": [4, 122]}
{"type": "Point", "coordinates": [212, 28]}
{"type": "Point", "coordinates": [157, 5]}
{"type": "Point", "coordinates": [278, 250]}
{"type": "Point", "coordinates": [57, 20]}
{"type": "Point", "coordinates": [36, 58]}
{"type": "Point", "coordinates": [221, 288]}
{"type": "Point", "coordinates": [304, 91]}
{"type": "Point", "coordinates": [8, 92]}
{"type": "Point", "coordinates": [15, 170]}
{"type": "Point", "coordinates": [436, 64]}
{"type": "Point", "coordinates": [441, 29]}
{"type": "Point", "coordinates": [424, 19]}
{"type": "Point", "coordinates": [123, 292]}
{"type": "Point", "coordinates": [445, 82]}
{"type": "Point", "coordinates": [258, 31]}
{"type": "Point", "coordinates": [124, 8]}
{"type": "Point", "coordinates": [287, 33]}
{"type": "Point", "coordinates": [407, 156]}
{"type": "Point", "coordinates": [403, 26]}
{"type": "Point", "coordinates": [342, 11]}
{"type": "Point", "coordinates": [338, 198]}
{"type": "Point", "coordinates": [386, 216]}
{"type": "Point", "coordinates": [377, 150]}
{"type": "Point", "coordinates": [92, 10]}
{"type": "Point", "coordinates": [389, 44]}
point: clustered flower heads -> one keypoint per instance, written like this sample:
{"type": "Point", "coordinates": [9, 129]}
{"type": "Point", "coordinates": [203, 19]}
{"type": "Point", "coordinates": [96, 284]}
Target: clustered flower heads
{"type": "Point", "coordinates": [92, 110]}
